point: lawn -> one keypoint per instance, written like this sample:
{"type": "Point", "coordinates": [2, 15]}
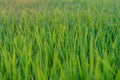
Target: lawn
{"type": "Point", "coordinates": [59, 40]}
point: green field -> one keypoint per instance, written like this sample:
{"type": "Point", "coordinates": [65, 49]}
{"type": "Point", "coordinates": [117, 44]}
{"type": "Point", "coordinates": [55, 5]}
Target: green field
{"type": "Point", "coordinates": [59, 40]}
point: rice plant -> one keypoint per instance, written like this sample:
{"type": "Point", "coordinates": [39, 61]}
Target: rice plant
{"type": "Point", "coordinates": [59, 40]}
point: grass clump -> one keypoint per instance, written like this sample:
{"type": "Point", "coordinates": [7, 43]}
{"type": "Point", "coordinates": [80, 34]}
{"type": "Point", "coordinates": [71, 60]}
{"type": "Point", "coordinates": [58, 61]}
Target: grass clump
{"type": "Point", "coordinates": [66, 40]}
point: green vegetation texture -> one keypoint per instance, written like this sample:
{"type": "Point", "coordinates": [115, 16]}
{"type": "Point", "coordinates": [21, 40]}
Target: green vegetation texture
{"type": "Point", "coordinates": [59, 40]}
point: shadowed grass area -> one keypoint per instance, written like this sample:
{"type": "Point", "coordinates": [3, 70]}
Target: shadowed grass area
{"type": "Point", "coordinates": [66, 40]}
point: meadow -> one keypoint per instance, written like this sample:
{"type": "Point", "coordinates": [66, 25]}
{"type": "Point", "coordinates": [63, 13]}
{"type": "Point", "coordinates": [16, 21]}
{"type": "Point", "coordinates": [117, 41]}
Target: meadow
{"type": "Point", "coordinates": [59, 40]}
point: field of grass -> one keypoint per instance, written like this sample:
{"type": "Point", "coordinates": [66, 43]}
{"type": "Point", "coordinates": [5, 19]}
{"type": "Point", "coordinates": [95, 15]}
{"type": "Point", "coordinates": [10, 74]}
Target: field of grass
{"type": "Point", "coordinates": [59, 40]}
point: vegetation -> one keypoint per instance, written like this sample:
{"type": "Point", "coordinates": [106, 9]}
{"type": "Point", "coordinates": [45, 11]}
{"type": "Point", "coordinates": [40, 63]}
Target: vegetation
{"type": "Point", "coordinates": [59, 40]}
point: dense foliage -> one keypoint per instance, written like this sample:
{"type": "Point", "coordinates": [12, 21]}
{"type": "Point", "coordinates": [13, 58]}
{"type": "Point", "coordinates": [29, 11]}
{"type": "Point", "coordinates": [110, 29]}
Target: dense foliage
{"type": "Point", "coordinates": [66, 40]}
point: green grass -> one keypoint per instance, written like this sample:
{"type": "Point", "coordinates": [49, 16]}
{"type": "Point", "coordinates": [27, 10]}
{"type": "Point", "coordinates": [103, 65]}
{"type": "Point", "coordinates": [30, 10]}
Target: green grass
{"type": "Point", "coordinates": [60, 40]}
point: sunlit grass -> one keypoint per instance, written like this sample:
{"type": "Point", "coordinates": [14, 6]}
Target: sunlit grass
{"type": "Point", "coordinates": [66, 40]}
